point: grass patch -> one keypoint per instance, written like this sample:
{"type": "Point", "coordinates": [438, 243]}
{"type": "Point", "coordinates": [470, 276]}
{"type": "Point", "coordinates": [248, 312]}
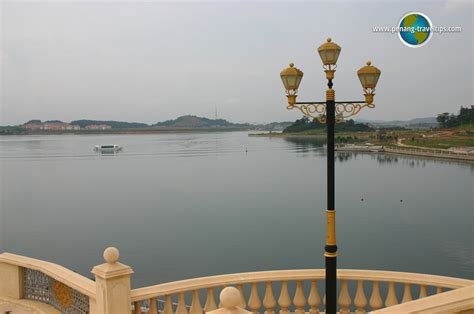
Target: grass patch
{"type": "Point", "coordinates": [442, 143]}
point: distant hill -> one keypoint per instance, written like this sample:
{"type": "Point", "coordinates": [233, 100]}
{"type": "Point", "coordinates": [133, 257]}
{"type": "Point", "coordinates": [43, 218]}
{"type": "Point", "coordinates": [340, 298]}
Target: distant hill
{"type": "Point", "coordinates": [274, 126]}
{"type": "Point", "coordinates": [183, 122]}
{"type": "Point", "coordinates": [113, 124]}
{"type": "Point", "coordinates": [194, 122]}
{"type": "Point", "coordinates": [35, 121]}
{"type": "Point", "coordinates": [427, 122]}
{"type": "Point", "coordinates": [53, 121]}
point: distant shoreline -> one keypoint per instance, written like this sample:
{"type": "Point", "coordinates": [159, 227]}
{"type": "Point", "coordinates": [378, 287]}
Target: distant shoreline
{"type": "Point", "coordinates": [288, 135]}
{"type": "Point", "coordinates": [387, 149]}
{"type": "Point", "coordinates": [397, 150]}
{"type": "Point", "coordinates": [128, 131]}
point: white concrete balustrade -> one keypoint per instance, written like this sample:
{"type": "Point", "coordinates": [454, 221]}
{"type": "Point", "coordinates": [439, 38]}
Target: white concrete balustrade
{"type": "Point", "coordinates": [269, 292]}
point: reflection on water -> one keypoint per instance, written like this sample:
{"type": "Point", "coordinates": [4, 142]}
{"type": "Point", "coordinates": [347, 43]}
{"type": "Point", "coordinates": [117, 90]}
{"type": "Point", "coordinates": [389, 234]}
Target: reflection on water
{"type": "Point", "coordinates": [172, 203]}
{"type": "Point", "coordinates": [306, 145]}
{"type": "Point", "coordinates": [108, 152]}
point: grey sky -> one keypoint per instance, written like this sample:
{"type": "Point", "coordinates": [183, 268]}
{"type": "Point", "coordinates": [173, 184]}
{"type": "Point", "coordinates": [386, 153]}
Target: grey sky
{"type": "Point", "coordinates": [151, 61]}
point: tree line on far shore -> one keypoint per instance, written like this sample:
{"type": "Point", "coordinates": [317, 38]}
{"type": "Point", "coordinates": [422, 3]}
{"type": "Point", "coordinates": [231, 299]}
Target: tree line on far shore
{"type": "Point", "coordinates": [449, 120]}
{"type": "Point", "coordinates": [305, 124]}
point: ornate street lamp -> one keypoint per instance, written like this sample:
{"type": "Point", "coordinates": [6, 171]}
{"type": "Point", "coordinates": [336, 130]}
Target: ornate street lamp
{"type": "Point", "coordinates": [330, 112]}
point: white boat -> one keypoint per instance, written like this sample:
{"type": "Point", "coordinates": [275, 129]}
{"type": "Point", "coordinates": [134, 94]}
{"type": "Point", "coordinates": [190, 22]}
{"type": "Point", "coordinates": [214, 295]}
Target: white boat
{"type": "Point", "coordinates": [108, 148]}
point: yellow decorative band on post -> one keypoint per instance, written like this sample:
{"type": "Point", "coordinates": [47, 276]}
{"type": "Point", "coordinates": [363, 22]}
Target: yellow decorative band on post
{"type": "Point", "coordinates": [327, 254]}
{"type": "Point", "coordinates": [331, 227]}
{"type": "Point", "coordinates": [330, 94]}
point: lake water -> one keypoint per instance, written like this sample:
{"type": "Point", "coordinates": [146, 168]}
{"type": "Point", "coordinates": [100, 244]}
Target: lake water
{"type": "Point", "coordinates": [189, 205]}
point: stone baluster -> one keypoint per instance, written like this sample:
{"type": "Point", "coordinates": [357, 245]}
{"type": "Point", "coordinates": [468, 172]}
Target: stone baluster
{"type": "Point", "coordinates": [230, 300]}
{"type": "Point", "coordinates": [391, 295]}
{"type": "Point", "coordinates": [153, 306]}
{"type": "Point", "coordinates": [344, 298]}
{"type": "Point", "coordinates": [210, 302]}
{"type": "Point", "coordinates": [254, 300]}
{"type": "Point", "coordinates": [196, 307]}
{"type": "Point", "coordinates": [423, 293]}
{"type": "Point", "coordinates": [407, 293]}
{"type": "Point", "coordinates": [243, 303]}
{"type": "Point", "coordinates": [181, 308]}
{"type": "Point", "coordinates": [137, 307]}
{"type": "Point", "coordinates": [112, 284]}
{"type": "Point", "coordinates": [314, 299]}
{"type": "Point", "coordinates": [360, 301]}
{"type": "Point", "coordinates": [284, 300]}
{"type": "Point", "coordinates": [168, 305]}
{"type": "Point", "coordinates": [299, 300]}
{"type": "Point", "coordinates": [269, 301]}
{"type": "Point", "coordinates": [375, 301]}
{"type": "Point", "coordinates": [439, 290]}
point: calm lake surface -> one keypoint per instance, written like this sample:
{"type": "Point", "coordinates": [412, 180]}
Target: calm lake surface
{"type": "Point", "coordinates": [187, 205]}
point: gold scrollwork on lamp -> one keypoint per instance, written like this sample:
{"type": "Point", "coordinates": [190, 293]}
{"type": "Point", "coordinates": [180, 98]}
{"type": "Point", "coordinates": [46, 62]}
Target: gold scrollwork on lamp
{"type": "Point", "coordinates": [368, 76]}
{"type": "Point", "coordinates": [315, 111]}
{"type": "Point", "coordinates": [346, 110]}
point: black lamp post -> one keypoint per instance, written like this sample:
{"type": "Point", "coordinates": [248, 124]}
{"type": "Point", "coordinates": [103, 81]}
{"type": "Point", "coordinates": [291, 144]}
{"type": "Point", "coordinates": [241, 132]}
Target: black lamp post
{"type": "Point", "coordinates": [330, 112]}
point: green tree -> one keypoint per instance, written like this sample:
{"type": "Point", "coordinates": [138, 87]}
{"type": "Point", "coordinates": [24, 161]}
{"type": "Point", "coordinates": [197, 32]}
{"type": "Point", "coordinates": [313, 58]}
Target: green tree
{"type": "Point", "coordinates": [305, 124]}
{"type": "Point", "coordinates": [442, 118]}
{"type": "Point", "coordinates": [447, 120]}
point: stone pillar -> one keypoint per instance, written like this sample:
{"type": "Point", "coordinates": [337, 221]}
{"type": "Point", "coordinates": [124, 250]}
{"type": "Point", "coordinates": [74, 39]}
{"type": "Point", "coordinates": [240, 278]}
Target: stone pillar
{"type": "Point", "coordinates": [11, 282]}
{"type": "Point", "coordinates": [113, 284]}
{"type": "Point", "coordinates": [230, 298]}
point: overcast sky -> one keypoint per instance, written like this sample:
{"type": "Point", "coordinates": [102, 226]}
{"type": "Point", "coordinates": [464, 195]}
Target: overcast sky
{"type": "Point", "coordinates": [152, 61]}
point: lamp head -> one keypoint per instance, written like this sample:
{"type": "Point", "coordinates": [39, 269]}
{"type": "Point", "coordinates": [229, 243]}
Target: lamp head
{"type": "Point", "coordinates": [291, 78]}
{"type": "Point", "coordinates": [369, 76]}
{"type": "Point", "coordinates": [329, 53]}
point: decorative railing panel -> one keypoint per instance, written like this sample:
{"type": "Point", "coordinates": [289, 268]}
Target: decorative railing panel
{"type": "Point", "coordinates": [40, 287]}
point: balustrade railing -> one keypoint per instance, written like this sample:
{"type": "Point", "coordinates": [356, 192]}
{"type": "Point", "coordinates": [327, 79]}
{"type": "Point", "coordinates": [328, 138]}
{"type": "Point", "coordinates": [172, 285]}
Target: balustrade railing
{"type": "Point", "coordinates": [271, 292]}
{"type": "Point", "coordinates": [296, 291]}
{"type": "Point", "coordinates": [27, 278]}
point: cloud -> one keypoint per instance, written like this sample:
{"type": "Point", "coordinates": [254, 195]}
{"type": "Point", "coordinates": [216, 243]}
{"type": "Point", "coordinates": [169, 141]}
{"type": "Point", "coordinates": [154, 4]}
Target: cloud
{"type": "Point", "coordinates": [457, 4]}
{"type": "Point", "coordinates": [232, 101]}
